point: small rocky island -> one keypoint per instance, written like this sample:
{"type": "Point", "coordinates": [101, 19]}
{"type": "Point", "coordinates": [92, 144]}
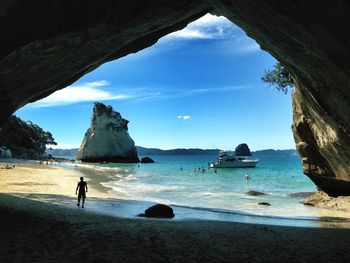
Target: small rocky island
{"type": "Point", "coordinates": [243, 150]}
{"type": "Point", "coordinates": [107, 139]}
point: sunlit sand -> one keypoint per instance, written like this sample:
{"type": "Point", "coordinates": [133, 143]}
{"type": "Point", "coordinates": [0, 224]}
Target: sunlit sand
{"type": "Point", "coordinates": [35, 178]}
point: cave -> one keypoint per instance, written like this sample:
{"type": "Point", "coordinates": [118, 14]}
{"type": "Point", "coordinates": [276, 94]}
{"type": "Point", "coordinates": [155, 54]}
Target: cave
{"type": "Point", "coordinates": [51, 44]}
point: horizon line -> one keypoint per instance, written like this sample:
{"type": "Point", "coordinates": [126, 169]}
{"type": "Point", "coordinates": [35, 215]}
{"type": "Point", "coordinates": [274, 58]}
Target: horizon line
{"type": "Point", "coordinates": [205, 149]}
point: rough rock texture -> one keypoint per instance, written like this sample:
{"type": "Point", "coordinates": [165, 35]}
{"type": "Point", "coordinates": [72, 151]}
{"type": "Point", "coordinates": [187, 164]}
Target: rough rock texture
{"type": "Point", "coordinates": [50, 44]}
{"type": "Point", "coordinates": [147, 160]}
{"type": "Point", "coordinates": [5, 153]}
{"type": "Point", "coordinates": [159, 211]}
{"type": "Point", "coordinates": [243, 150]}
{"type": "Point", "coordinates": [322, 200]}
{"type": "Point", "coordinates": [323, 143]}
{"type": "Point", "coordinates": [107, 139]}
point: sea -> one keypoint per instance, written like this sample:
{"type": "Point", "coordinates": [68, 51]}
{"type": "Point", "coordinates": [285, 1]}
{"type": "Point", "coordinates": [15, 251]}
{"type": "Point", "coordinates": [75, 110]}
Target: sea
{"type": "Point", "coordinates": [177, 181]}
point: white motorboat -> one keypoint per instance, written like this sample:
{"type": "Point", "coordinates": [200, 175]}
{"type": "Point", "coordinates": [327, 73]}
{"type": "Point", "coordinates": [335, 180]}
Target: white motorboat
{"type": "Point", "coordinates": [229, 159]}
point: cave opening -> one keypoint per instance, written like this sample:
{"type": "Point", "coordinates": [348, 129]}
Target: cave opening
{"type": "Point", "coordinates": [199, 88]}
{"type": "Point", "coordinates": [48, 45]}
{"type": "Point", "coordinates": [210, 69]}
{"type": "Point", "coordinates": [62, 46]}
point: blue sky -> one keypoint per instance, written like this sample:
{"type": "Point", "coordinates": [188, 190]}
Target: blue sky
{"type": "Point", "coordinates": [197, 87]}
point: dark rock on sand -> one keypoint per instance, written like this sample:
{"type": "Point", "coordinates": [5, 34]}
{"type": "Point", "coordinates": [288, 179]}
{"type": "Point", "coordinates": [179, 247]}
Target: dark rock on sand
{"type": "Point", "coordinates": [147, 160]}
{"type": "Point", "coordinates": [254, 193]}
{"type": "Point", "coordinates": [243, 150]}
{"type": "Point", "coordinates": [159, 211]}
{"type": "Point", "coordinates": [264, 203]}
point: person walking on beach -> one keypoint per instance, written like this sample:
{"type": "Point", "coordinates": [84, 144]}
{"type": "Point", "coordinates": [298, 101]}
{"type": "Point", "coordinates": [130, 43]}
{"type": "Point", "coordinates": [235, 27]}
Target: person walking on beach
{"type": "Point", "coordinates": [82, 187]}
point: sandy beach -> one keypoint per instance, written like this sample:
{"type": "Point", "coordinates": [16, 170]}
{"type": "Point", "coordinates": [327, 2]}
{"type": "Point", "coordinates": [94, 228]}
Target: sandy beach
{"type": "Point", "coordinates": [35, 231]}
{"type": "Point", "coordinates": [35, 178]}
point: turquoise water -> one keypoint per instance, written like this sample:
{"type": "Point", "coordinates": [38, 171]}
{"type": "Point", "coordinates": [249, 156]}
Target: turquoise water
{"type": "Point", "coordinates": [133, 188]}
{"type": "Point", "coordinates": [164, 182]}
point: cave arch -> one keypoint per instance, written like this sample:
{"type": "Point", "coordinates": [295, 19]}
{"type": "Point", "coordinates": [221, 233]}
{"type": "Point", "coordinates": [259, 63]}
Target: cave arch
{"type": "Point", "coordinates": [50, 44]}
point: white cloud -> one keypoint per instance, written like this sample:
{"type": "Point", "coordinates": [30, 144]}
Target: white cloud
{"type": "Point", "coordinates": [187, 33]}
{"type": "Point", "coordinates": [246, 44]}
{"type": "Point", "coordinates": [166, 93]}
{"type": "Point", "coordinates": [214, 28]}
{"type": "Point", "coordinates": [184, 117]}
{"type": "Point", "coordinates": [210, 19]}
{"type": "Point", "coordinates": [90, 91]}
{"type": "Point", "coordinates": [198, 91]}
{"type": "Point", "coordinates": [99, 83]}
{"type": "Point", "coordinates": [103, 91]}
{"type": "Point", "coordinates": [206, 27]}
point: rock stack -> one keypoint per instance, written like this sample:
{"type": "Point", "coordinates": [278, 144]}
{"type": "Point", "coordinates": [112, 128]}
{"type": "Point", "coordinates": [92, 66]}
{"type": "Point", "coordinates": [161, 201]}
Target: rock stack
{"type": "Point", "coordinates": [107, 139]}
{"type": "Point", "coordinates": [243, 150]}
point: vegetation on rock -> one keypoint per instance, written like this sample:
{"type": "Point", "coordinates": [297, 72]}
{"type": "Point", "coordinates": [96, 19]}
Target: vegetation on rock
{"type": "Point", "coordinates": [25, 139]}
{"type": "Point", "coordinates": [279, 77]}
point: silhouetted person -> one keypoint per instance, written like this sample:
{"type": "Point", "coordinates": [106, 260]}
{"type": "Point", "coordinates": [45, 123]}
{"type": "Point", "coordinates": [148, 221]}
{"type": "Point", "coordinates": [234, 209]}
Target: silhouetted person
{"type": "Point", "coordinates": [82, 186]}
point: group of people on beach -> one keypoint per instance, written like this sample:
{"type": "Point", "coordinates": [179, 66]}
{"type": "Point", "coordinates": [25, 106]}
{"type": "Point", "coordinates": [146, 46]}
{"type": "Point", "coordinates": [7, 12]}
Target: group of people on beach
{"type": "Point", "coordinates": [8, 167]}
{"type": "Point", "coordinates": [46, 162]}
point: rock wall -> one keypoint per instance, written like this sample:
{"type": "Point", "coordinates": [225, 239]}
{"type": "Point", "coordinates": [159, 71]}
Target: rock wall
{"type": "Point", "coordinates": [50, 44]}
{"type": "Point", "coordinates": [5, 153]}
{"type": "Point", "coordinates": [107, 139]}
{"type": "Point", "coordinates": [323, 144]}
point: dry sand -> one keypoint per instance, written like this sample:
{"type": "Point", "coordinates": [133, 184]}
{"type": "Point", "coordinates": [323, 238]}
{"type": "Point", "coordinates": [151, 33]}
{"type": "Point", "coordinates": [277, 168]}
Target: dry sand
{"type": "Point", "coordinates": [35, 178]}
{"type": "Point", "coordinates": [34, 231]}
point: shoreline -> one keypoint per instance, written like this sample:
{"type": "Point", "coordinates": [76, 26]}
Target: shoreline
{"type": "Point", "coordinates": [36, 229]}
{"type": "Point", "coordinates": [56, 184]}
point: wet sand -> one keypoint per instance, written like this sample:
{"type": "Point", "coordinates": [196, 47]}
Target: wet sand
{"type": "Point", "coordinates": [33, 231]}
